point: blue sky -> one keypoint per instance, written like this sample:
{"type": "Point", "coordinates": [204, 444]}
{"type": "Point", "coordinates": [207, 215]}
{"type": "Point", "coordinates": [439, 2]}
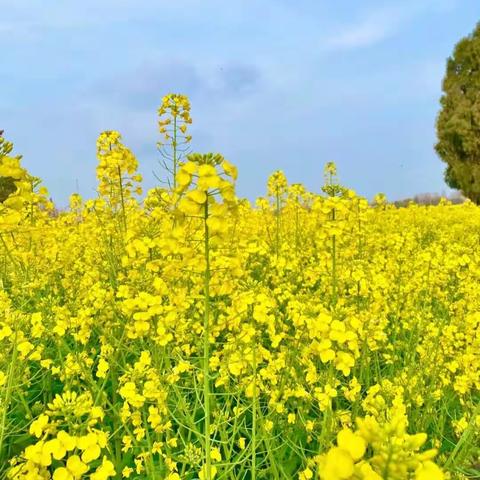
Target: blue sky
{"type": "Point", "coordinates": [274, 84]}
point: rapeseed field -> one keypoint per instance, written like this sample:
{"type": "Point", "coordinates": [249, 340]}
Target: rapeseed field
{"type": "Point", "coordinates": [190, 334]}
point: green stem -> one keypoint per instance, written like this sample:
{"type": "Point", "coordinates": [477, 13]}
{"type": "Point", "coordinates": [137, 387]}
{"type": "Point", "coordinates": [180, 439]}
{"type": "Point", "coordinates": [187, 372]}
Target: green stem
{"type": "Point", "coordinates": [7, 251]}
{"type": "Point", "coordinates": [386, 470]}
{"type": "Point", "coordinates": [174, 146]}
{"type": "Point", "coordinates": [8, 395]}
{"type": "Point", "coordinates": [464, 439]}
{"type": "Point", "coordinates": [334, 265]}
{"type": "Point", "coordinates": [277, 238]}
{"type": "Point", "coordinates": [206, 346]}
{"type": "Point", "coordinates": [254, 414]}
{"type": "Point", "coordinates": [120, 185]}
{"type": "Point", "coordinates": [297, 234]}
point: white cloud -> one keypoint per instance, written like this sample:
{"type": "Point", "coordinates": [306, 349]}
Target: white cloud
{"type": "Point", "coordinates": [377, 25]}
{"type": "Point", "coordinates": [369, 31]}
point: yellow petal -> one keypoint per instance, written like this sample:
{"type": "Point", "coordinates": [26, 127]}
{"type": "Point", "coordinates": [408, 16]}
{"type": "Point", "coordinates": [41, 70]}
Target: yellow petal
{"type": "Point", "coordinates": [62, 474]}
{"type": "Point", "coordinates": [76, 466]}
{"type": "Point", "coordinates": [353, 444]}
{"type": "Point", "coordinates": [429, 471]}
{"type": "Point", "coordinates": [91, 453]}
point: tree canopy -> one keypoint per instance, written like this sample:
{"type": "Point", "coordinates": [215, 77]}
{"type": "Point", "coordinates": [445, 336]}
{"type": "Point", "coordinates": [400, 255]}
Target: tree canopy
{"type": "Point", "coordinates": [458, 123]}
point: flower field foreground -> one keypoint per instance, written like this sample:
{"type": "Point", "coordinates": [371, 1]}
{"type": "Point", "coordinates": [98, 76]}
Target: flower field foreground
{"type": "Point", "coordinates": [193, 335]}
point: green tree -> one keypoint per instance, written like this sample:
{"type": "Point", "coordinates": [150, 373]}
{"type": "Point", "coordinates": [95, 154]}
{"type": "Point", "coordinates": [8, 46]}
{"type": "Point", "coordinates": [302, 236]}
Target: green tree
{"type": "Point", "coordinates": [7, 184]}
{"type": "Point", "coordinates": [458, 123]}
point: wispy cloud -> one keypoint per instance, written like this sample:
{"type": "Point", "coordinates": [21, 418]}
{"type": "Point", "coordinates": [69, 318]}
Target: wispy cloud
{"type": "Point", "coordinates": [144, 86]}
{"type": "Point", "coordinates": [379, 24]}
{"type": "Point", "coordinates": [368, 31]}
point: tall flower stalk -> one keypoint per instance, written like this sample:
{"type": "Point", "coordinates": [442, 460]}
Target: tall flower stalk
{"type": "Point", "coordinates": [205, 188]}
{"type": "Point", "coordinates": [333, 189]}
{"type": "Point", "coordinates": [277, 188]}
{"type": "Point", "coordinates": [174, 118]}
{"type": "Point", "coordinates": [117, 174]}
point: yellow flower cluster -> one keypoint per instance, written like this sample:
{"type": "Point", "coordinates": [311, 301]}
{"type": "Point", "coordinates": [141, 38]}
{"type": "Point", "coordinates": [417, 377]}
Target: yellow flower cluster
{"type": "Point", "coordinates": [117, 169]}
{"type": "Point", "coordinates": [67, 456]}
{"type": "Point", "coordinates": [392, 452]}
{"type": "Point", "coordinates": [175, 109]}
{"type": "Point", "coordinates": [24, 192]}
{"type": "Point", "coordinates": [277, 184]}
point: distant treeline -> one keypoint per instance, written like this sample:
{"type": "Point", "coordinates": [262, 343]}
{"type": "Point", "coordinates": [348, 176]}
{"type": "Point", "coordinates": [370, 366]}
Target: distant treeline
{"type": "Point", "coordinates": [430, 199]}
